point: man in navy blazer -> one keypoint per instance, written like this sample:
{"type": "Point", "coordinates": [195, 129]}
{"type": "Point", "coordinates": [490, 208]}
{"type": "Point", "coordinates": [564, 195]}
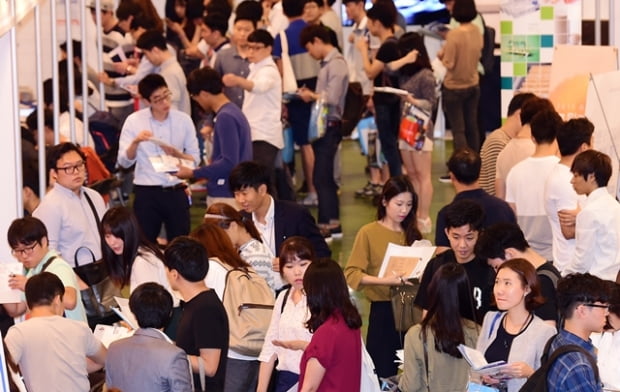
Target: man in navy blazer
{"type": "Point", "coordinates": [276, 220]}
{"type": "Point", "coordinates": [148, 360]}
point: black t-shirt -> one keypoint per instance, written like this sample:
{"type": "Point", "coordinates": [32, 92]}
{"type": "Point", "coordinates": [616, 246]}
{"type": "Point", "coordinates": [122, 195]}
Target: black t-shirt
{"type": "Point", "coordinates": [499, 349]}
{"type": "Point", "coordinates": [548, 310]}
{"type": "Point", "coordinates": [204, 324]}
{"type": "Point", "coordinates": [388, 52]}
{"type": "Point", "coordinates": [481, 280]}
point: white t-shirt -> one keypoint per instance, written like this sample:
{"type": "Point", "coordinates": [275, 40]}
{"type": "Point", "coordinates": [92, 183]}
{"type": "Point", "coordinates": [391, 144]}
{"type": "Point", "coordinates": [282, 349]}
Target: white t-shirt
{"type": "Point", "coordinates": [148, 268]}
{"type": "Point", "coordinates": [525, 188]}
{"type": "Point", "coordinates": [560, 195]}
{"type": "Point", "coordinates": [608, 358]}
{"type": "Point", "coordinates": [51, 353]}
{"type": "Point", "coordinates": [515, 151]}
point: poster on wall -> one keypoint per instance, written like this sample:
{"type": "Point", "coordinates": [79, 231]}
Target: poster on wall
{"type": "Point", "coordinates": [529, 31]}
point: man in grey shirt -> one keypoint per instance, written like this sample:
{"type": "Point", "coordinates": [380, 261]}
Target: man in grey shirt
{"type": "Point", "coordinates": [331, 87]}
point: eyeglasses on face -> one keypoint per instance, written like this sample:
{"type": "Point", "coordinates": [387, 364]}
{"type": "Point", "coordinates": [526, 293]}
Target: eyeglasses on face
{"type": "Point", "coordinates": [255, 46]}
{"type": "Point", "coordinates": [71, 169]}
{"type": "Point", "coordinates": [25, 251]}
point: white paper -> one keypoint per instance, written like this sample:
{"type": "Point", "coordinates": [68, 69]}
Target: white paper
{"type": "Point", "coordinates": [108, 333]}
{"type": "Point", "coordinates": [125, 313]}
{"type": "Point", "coordinates": [391, 90]}
{"type": "Point", "coordinates": [423, 250]}
{"type": "Point", "coordinates": [168, 164]}
{"type": "Point", "coordinates": [8, 295]}
{"type": "Point", "coordinates": [479, 364]}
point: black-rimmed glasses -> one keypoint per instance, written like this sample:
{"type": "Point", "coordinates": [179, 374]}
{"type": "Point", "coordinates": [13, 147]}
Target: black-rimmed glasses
{"type": "Point", "coordinates": [73, 168]}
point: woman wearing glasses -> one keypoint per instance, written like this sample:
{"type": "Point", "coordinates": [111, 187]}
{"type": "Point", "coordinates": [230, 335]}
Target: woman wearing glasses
{"type": "Point", "coordinates": [514, 334]}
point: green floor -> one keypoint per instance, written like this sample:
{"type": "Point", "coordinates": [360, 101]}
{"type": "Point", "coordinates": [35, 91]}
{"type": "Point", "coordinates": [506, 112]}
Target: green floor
{"type": "Point", "coordinates": [357, 212]}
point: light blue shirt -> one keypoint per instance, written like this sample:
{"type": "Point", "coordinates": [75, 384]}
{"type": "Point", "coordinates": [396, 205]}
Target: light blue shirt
{"type": "Point", "coordinates": [177, 130]}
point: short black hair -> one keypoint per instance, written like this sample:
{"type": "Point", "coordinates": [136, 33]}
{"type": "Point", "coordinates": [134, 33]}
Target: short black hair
{"type": "Point", "coordinates": [32, 121]}
{"type": "Point", "coordinates": [464, 11]}
{"type": "Point", "coordinates": [216, 22]}
{"type": "Point", "coordinates": [517, 102]}
{"type": "Point", "coordinates": [261, 37]}
{"type": "Point", "coordinates": [195, 9]}
{"type": "Point", "coordinates": [576, 289]}
{"type": "Point", "coordinates": [593, 162]}
{"type": "Point", "coordinates": [464, 164]}
{"type": "Point", "coordinates": [573, 133]}
{"type": "Point", "coordinates": [204, 79]}
{"type": "Point", "coordinates": [151, 303]}
{"type": "Point", "coordinates": [144, 22]}
{"type": "Point", "coordinates": [55, 153]}
{"type": "Point", "coordinates": [383, 12]}
{"type": "Point", "coordinates": [320, 3]}
{"type": "Point", "coordinates": [344, 2]}
{"type": "Point", "coordinates": [42, 288]}
{"type": "Point", "coordinates": [149, 84]}
{"type": "Point", "coordinates": [249, 174]}
{"type": "Point", "coordinates": [310, 32]}
{"type": "Point", "coordinates": [30, 176]}
{"type": "Point", "coordinates": [26, 231]}
{"type": "Point", "coordinates": [188, 257]}
{"type": "Point", "coordinates": [75, 45]}
{"type": "Point", "coordinates": [533, 106]}
{"type": "Point", "coordinates": [218, 6]}
{"type": "Point", "coordinates": [293, 8]}
{"type": "Point", "coordinates": [495, 239]}
{"type": "Point", "coordinates": [152, 39]}
{"type": "Point", "coordinates": [545, 126]}
{"type": "Point", "coordinates": [249, 10]}
{"type": "Point", "coordinates": [464, 212]}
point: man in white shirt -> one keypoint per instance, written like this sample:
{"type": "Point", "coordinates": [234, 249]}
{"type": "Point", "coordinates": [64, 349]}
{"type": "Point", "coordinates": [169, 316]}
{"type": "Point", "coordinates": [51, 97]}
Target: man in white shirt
{"type": "Point", "coordinates": [525, 184]}
{"type": "Point", "coordinates": [262, 104]}
{"type": "Point", "coordinates": [70, 211]}
{"type": "Point", "coordinates": [597, 228]}
{"type": "Point", "coordinates": [54, 353]}
{"type": "Point", "coordinates": [561, 201]}
{"type": "Point", "coordinates": [149, 135]}
{"type": "Point", "coordinates": [520, 146]}
{"type": "Point", "coordinates": [276, 21]}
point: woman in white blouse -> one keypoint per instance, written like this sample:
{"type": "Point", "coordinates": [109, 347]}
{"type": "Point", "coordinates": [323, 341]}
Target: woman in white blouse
{"type": "Point", "coordinates": [131, 259]}
{"type": "Point", "coordinates": [287, 336]}
{"type": "Point", "coordinates": [247, 240]}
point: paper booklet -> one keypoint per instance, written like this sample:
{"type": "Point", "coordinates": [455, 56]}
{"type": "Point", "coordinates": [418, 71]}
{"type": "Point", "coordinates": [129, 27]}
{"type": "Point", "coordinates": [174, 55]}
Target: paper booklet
{"type": "Point", "coordinates": [479, 364]}
{"type": "Point", "coordinates": [8, 295]}
{"type": "Point", "coordinates": [391, 90]}
{"type": "Point", "coordinates": [168, 164]}
{"type": "Point", "coordinates": [125, 313]}
{"type": "Point", "coordinates": [406, 261]}
{"type": "Point", "coordinates": [107, 334]}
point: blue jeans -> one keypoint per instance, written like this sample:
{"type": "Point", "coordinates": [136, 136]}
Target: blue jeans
{"type": "Point", "coordinates": [387, 118]}
{"type": "Point", "coordinates": [461, 109]}
{"type": "Point", "coordinates": [325, 149]}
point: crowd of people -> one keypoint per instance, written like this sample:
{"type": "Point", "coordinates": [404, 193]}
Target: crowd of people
{"type": "Point", "coordinates": [527, 254]}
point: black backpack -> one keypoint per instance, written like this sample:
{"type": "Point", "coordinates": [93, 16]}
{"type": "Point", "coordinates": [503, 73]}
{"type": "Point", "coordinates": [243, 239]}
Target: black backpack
{"type": "Point", "coordinates": [537, 382]}
{"type": "Point", "coordinates": [354, 107]}
{"type": "Point", "coordinates": [106, 131]}
{"type": "Point", "coordinates": [487, 57]}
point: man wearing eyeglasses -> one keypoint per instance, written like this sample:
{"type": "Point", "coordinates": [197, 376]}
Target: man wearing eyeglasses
{"type": "Point", "coordinates": [71, 211]}
{"type": "Point", "coordinates": [584, 305]}
{"type": "Point", "coordinates": [29, 244]}
{"type": "Point", "coordinates": [153, 135]}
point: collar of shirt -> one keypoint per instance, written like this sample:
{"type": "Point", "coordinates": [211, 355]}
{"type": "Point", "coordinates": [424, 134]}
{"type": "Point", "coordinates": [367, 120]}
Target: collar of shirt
{"type": "Point", "coordinates": [267, 230]}
{"type": "Point", "coordinates": [570, 338]}
{"type": "Point", "coordinates": [333, 53]}
{"type": "Point", "coordinates": [361, 25]}
{"type": "Point", "coordinates": [37, 269]}
{"type": "Point", "coordinates": [68, 192]}
{"type": "Point", "coordinates": [596, 194]}
{"type": "Point", "coordinates": [267, 61]}
{"type": "Point", "coordinates": [167, 63]}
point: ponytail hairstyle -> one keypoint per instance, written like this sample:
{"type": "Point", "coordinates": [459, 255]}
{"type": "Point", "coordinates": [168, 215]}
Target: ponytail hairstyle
{"type": "Point", "coordinates": [222, 215]}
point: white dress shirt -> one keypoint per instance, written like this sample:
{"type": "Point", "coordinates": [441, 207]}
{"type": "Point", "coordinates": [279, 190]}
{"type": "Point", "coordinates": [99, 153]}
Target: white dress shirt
{"type": "Point", "coordinates": [181, 135]}
{"type": "Point", "coordinates": [597, 237]}
{"type": "Point", "coordinates": [263, 105]}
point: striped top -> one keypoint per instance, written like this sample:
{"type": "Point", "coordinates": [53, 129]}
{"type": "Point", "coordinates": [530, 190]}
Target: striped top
{"type": "Point", "coordinates": [491, 148]}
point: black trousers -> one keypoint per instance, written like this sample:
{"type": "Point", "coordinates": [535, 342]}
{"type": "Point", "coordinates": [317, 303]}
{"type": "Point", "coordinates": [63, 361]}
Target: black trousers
{"type": "Point", "coordinates": [156, 205]}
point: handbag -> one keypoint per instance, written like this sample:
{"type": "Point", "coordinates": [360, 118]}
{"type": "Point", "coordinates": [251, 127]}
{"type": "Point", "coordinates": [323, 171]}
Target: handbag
{"type": "Point", "coordinates": [412, 126]}
{"type": "Point", "coordinates": [405, 312]}
{"type": "Point", "coordinates": [98, 298]}
{"type": "Point", "coordinates": [369, 382]}
{"type": "Point", "coordinates": [289, 83]}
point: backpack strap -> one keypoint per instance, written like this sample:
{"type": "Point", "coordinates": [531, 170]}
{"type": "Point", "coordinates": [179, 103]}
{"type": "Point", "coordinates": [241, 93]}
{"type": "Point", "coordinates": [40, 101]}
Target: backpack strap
{"type": "Point", "coordinates": [47, 263]}
{"type": "Point", "coordinates": [498, 315]}
{"type": "Point", "coordinates": [553, 277]}
{"type": "Point", "coordinates": [286, 294]}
